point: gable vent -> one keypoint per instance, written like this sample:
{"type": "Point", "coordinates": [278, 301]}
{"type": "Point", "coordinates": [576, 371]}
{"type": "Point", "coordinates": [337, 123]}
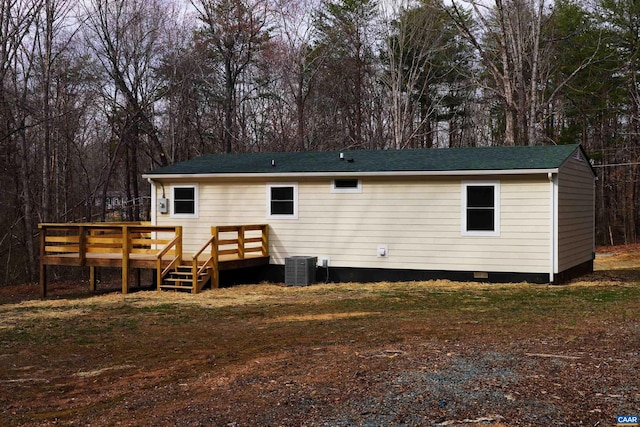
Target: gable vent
{"type": "Point", "coordinates": [577, 156]}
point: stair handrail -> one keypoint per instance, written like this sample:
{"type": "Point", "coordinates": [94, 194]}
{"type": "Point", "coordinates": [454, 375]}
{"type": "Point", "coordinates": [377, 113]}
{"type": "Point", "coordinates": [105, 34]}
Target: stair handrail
{"type": "Point", "coordinates": [177, 242]}
{"type": "Point", "coordinates": [195, 271]}
{"type": "Point", "coordinates": [210, 241]}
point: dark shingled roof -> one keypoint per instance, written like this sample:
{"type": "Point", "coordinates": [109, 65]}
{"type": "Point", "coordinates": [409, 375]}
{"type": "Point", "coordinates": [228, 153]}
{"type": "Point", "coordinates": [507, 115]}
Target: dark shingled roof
{"type": "Point", "coordinates": [422, 160]}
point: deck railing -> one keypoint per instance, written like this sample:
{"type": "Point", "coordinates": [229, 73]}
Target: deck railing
{"type": "Point", "coordinates": [237, 242]}
{"type": "Point", "coordinates": [241, 240]}
{"type": "Point", "coordinates": [108, 244]}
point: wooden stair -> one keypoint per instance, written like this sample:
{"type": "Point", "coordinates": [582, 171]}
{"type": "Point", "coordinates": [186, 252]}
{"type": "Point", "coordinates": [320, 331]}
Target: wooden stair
{"type": "Point", "coordinates": [181, 279]}
{"type": "Point", "coordinates": [229, 247]}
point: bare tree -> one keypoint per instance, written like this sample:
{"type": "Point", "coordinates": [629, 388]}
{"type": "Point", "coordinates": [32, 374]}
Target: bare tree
{"type": "Point", "coordinates": [346, 33]}
{"type": "Point", "coordinates": [509, 51]}
{"type": "Point", "coordinates": [182, 67]}
{"type": "Point", "coordinates": [16, 68]}
{"type": "Point", "coordinates": [126, 37]}
{"type": "Point", "coordinates": [510, 42]}
{"type": "Point", "coordinates": [235, 30]}
{"type": "Point", "coordinates": [55, 28]}
{"type": "Point", "coordinates": [423, 64]}
{"type": "Point", "coordinates": [16, 18]}
{"type": "Point", "coordinates": [300, 63]}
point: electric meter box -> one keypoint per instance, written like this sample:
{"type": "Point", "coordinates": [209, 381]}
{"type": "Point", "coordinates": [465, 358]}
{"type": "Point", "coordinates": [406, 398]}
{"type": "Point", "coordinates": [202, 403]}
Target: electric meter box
{"type": "Point", "coordinates": [163, 205]}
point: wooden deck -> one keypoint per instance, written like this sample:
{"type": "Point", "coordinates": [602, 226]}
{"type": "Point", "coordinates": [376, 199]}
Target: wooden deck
{"type": "Point", "coordinates": [140, 246]}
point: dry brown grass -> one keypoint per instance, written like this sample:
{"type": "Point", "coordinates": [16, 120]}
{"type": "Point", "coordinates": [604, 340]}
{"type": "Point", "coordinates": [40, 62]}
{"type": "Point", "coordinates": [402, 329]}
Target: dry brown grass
{"type": "Point", "coordinates": [389, 353]}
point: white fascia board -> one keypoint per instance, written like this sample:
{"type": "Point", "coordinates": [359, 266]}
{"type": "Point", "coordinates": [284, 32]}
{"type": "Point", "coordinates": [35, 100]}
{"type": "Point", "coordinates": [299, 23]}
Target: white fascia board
{"type": "Point", "coordinates": [354, 173]}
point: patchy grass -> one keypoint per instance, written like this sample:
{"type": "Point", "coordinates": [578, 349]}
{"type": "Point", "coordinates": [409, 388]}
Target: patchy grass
{"type": "Point", "coordinates": [411, 353]}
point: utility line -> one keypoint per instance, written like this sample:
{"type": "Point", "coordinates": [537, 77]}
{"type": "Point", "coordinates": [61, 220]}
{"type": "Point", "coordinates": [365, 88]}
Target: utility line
{"type": "Point", "coordinates": [616, 164]}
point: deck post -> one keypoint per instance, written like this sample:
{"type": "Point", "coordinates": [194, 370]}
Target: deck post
{"type": "Point", "coordinates": [178, 232]}
{"type": "Point", "coordinates": [265, 240]}
{"type": "Point", "coordinates": [43, 266]}
{"type": "Point", "coordinates": [125, 259]}
{"type": "Point", "coordinates": [241, 242]}
{"type": "Point", "coordinates": [43, 280]}
{"type": "Point", "coordinates": [82, 246]}
{"type": "Point", "coordinates": [215, 274]}
{"type": "Point", "coordinates": [158, 274]}
{"type": "Point", "coordinates": [194, 276]}
{"type": "Point", "coordinates": [92, 278]}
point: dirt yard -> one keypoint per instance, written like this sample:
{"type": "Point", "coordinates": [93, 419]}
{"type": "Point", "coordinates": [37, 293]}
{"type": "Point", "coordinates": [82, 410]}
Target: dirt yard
{"type": "Point", "coordinates": [384, 354]}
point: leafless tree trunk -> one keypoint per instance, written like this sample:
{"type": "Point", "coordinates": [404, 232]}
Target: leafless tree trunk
{"type": "Point", "coordinates": [25, 63]}
{"type": "Point", "coordinates": [507, 50]}
{"type": "Point", "coordinates": [126, 39]}
{"type": "Point", "coordinates": [517, 58]}
{"type": "Point", "coordinates": [417, 38]}
{"type": "Point", "coordinates": [236, 31]}
{"type": "Point", "coordinates": [16, 64]}
{"type": "Point", "coordinates": [301, 63]}
{"type": "Point", "coordinates": [50, 25]}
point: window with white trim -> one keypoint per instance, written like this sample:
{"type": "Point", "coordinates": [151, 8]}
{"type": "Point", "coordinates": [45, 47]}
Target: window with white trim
{"type": "Point", "coordinates": [282, 201]}
{"type": "Point", "coordinates": [184, 201]}
{"type": "Point", "coordinates": [346, 185]}
{"type": "Point", "coordinates": [481, 208]}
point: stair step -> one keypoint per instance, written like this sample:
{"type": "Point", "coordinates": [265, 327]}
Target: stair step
{"type": "Point", "coordinates": [185, 278]}
{"type": "Point", "coordinates": [186, 288]}
{"type": "Point", "coordinates": [187, 273]}
{"type": "Point", "coordinates": [188, 267]}
{"type": "Point", "coordinates": [182, 278]}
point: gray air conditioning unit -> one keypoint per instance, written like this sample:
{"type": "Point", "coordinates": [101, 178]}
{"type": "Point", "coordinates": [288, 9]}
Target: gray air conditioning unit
{"type": "Point", "coordinates": [300, 270]}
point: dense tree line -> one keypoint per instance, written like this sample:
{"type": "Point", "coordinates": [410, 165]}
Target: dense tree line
{"type": "Point", "coordinates": [94, 93]}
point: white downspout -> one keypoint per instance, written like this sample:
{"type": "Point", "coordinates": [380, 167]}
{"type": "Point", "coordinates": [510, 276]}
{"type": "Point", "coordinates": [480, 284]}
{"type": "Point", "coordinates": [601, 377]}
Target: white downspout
{"type": "Point", "coordinates": [553, 226]}
{"type": "Point", "coordinates": [154, 203]}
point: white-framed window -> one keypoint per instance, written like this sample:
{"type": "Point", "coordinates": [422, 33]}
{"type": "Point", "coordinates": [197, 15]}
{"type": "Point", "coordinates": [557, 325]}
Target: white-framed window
{"type": "Point", "coordinates": [184, 201]}
{"type": "Point", "coordinates": [282, 201]}
{"type": "Point", "coordinates": [346, 185]}
{"type": "Point", "coordinates": [481, 208]}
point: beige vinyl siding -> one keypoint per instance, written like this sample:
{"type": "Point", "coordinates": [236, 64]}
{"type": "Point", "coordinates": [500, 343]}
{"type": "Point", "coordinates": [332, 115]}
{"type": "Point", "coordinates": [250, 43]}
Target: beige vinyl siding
{"type": "Point", "coordinates": [576, 220]}
{"type": "Point", "coordinates": [219, 204]}
{"type": "Point", "coordinates": [419, 219]}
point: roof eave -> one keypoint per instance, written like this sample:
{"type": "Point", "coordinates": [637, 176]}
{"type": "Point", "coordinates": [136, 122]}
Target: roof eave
{"type": "Point", "coordinates": [352, 174]}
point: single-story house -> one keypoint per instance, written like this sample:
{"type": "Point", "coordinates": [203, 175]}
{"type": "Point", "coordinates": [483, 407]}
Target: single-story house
{"type": "Point", "coordinates": [493, 214]}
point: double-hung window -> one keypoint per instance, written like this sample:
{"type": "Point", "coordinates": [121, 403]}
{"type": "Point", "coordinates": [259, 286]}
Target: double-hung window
{"type": "Point", "coordinates": [282, 201]}
{"type": "Point", "coordinates": [184, 202]}
{"type": "Point", "coordinates": [481, 208]}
